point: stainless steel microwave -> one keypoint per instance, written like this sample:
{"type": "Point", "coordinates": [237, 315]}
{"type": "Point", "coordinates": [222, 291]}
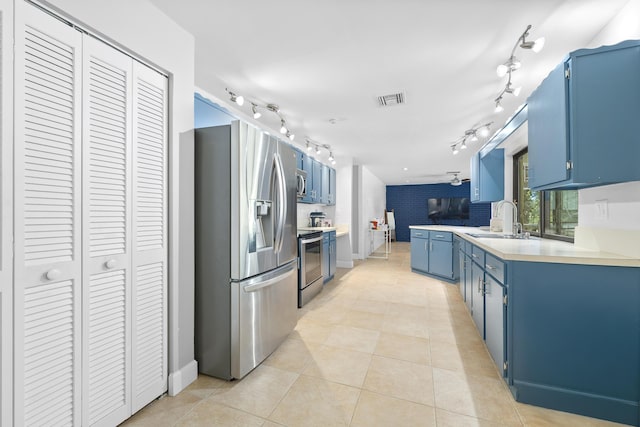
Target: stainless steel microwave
{"type": "Point", "coordinates": [301, 186]}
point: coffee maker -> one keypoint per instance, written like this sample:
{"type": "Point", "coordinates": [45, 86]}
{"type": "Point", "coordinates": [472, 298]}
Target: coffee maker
{"type": "Point", "coordinates": [316, 218]}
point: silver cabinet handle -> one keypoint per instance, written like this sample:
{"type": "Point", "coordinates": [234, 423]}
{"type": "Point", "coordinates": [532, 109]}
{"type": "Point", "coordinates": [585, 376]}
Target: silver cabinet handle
{"type": "Point", "coordinates": [53, 274]}
{"type": "Point", "coordinates": [418, 234]}
{"type": "Point", "coordinates": [474, 255]}
{"type": "Point", "coordinates": [110, 264]}
{"type": "Point", "coordinates": [439, 236]}
{"type": "Point", "coordinates": [490, 267]}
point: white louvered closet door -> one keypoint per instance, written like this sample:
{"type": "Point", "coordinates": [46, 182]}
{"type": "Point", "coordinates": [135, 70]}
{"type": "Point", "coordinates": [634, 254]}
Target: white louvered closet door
{"type": "Point", "coordinates": [106, 307]}
{"type": "Point", "coordinates": [47, 220]}
{"type": "Point", "coordinates": [150, 235]}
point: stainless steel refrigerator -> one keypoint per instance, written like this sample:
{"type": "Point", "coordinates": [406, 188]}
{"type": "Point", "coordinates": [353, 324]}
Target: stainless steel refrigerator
{"type": "Point", "coordinates": [245, 247]}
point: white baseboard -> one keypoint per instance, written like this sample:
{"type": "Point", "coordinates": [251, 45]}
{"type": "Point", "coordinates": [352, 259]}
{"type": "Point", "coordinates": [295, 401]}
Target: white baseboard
{"type": "Point", "coordinates": [179, 380]}
{"type": "Point", "coordinates": [344, 264]}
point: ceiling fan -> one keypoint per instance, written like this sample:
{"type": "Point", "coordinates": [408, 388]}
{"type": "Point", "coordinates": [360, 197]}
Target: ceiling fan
{"type": "Point", "coordinates": [455, 181]}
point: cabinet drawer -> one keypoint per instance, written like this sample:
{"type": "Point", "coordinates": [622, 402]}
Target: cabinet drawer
{"type": "Point", "coordinates": [477, 255]}
{"type": "Point", "coordinates": [441, 235]}
{"type": "Point", "coordinates": [495, 267]}
{"type": "Point", "coordinates": [422, 234]}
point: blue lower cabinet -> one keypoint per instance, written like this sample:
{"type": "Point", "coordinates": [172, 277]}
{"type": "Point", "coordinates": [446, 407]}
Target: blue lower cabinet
{"type": "Point", "coordinates": [332, 254]}
{"type": "Point", "coordinates": [328, 255]}
{"type": "Point", "coordinates": [420, 251]}
{"type": "Point", "coordinates": [477, 297]}
{"type": "Point", "coordinates": [574, 338]}
{"type": "Point", "coordinates": [494, 321]}
{"type": "Point", "coordinates": [435, 253]}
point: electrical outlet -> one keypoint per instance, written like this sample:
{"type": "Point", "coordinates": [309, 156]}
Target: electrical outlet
{"type": "Point", "coordinates": [602, 209]}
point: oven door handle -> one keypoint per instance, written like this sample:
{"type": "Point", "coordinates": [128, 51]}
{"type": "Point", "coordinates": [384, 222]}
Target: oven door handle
{"type": "Point", "coordinates": [313, 240]}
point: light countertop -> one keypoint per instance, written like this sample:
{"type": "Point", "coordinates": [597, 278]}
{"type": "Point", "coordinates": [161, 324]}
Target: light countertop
{"type": "Point", "coordinates": [536, 249]}
{"type": "Point", "coordinates": [339, 231]}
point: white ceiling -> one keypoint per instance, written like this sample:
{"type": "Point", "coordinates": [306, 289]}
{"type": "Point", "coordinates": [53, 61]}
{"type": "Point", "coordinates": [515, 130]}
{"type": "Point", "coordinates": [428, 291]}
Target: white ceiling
{"type": "Point", "coordinates": [325, 62]}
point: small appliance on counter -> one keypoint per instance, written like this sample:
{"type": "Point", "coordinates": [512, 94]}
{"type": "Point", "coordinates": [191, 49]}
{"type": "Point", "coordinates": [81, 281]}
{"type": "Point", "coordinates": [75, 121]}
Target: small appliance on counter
{"type": "Point", "coordinates": [317, 218]}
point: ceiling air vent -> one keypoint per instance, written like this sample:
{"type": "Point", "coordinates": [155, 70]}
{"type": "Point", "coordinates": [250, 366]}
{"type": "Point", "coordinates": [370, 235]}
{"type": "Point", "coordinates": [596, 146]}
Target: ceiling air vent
{"type": "Point", "coordinates": [393, 99]}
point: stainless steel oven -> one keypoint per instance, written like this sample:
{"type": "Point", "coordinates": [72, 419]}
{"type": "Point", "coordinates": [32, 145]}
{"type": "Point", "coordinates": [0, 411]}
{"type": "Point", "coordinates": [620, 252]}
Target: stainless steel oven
{"type": "Point", "coordinates": [310, 271]}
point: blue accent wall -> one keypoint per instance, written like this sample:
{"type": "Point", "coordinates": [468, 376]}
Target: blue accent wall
{"type": "Point", "coordinates": [409, 203]}
{"type": "Point", "coordinates": [207, 113]}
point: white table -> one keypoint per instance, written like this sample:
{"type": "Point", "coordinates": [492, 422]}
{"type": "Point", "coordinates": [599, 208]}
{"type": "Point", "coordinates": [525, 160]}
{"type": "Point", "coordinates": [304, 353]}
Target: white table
{"type": "Point", "coordinates": [384, 231]}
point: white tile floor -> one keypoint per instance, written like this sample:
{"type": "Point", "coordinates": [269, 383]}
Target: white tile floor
{"type": "Point", "coordinates": [380, 346]}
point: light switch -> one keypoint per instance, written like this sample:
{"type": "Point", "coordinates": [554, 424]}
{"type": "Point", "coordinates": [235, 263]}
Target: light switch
{"type": "Point", "coordinates": [602, 209]}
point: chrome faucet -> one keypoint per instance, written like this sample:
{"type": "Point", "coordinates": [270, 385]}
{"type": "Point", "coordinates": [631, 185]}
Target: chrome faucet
{"type": "Point", "coordinates": [516, 227]}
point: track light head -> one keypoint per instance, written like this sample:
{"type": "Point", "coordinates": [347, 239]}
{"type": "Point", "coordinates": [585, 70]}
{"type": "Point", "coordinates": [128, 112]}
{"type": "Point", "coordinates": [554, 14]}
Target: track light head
{"type": "Point", "coordinates": [238, 99]}
{"type": "Point", "coordinates": [256, 113]}
{"type": "Point", "coordinates": [318, 151]}
{"type": "Point", "coordinates": [463, 145]}
{"type": "Point", "coordinates": [308, 146]}
{"type": "Point", "coordinates": [331, 156]}
{"type": "Point", "coordinates": [290, 135]}
{"type": "Point", "coordinates": [283, 127]}
{"type": "Point", "coordinates": [454, 149]}
{"type": "Point", "coordinates": [535, 45]}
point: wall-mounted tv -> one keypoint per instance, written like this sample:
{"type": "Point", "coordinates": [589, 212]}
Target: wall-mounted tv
{"type": "Point", "coordinates": [448, 208]}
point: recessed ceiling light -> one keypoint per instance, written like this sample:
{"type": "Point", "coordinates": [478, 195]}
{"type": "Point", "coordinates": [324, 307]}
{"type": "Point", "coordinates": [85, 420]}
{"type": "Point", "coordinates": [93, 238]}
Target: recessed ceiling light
{"type": "Point", "coordinates": [405, 169]}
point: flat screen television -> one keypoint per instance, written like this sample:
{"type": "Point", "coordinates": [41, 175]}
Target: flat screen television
{"type": "Point", "coordinates": [448, 208]}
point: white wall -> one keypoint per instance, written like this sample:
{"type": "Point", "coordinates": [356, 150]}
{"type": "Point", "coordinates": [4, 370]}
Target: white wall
{"type": "Point", "coordinates": [373, 200]}
{"type": "Point", "coordinates": [6, 214]}
{"type": "Point", "coordinates": [139, 27]}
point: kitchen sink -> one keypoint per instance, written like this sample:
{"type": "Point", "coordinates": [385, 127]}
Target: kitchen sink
{"type": "Point", "coordinates": [496, 236]}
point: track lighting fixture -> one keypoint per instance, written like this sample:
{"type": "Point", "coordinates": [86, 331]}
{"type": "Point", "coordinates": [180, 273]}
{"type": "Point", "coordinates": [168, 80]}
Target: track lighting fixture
{"type": "Point", "coordinates": [512, 64]}
{"type": "Point", "coordinates": [273, 108]}
{"type": "Point", "coordinates": [312, 145]}
{"type": "Point", "coordinates": [470, 135]}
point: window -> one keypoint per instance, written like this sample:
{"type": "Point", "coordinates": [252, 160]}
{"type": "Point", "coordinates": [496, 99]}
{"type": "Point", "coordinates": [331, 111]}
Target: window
{"type": "Point", "coordinates": [549, 214]}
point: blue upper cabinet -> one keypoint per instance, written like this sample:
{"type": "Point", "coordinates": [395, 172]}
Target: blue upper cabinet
{"type": "Point", "coordinates": [307, 166]}
{"type": "Point", "coordinates": [583, 120]}
{"type": "Point", "coordinates": [324, 196]}
{"type": "Point", "coordinates": [316, 182]}
{"type": "Point", "coordinates": [487, 176]}
{"type": "Point", "coordinates": [332, 187]}
{"type": "Point", "coordinates": [207, 113]}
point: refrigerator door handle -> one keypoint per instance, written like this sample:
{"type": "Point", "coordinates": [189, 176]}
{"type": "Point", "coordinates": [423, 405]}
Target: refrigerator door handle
{"type": "Point", "coordinates": [269, 282]}
{"type": "Point", "coordinates": [282, 202]}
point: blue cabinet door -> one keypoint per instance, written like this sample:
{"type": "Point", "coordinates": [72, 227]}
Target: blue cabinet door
{"type": "Point", "coordinates": [325, 258]}
{"type": "Point", "coordinates": [548, 132]}
{"type": "Point", "coordinates": [494, 317]}
{"type": "Point", "coordinates": [583, 120]}
{"type": "Point", "coordinates": [332, 254]}
{"type": "Point", "coordinates": [441, 258]}
{"type": "Point", "coordinates": [307, 166]}
{"type": "Point", "coordinates": [420, 253]}
{"type": "Point", "coordinates": [332, 186]}
{"type": "Point", "coordinates": [316, 184]}
{"type": "Point", "coordinates": [487, 176]}
{"type": "Point", "coordinates": [324, 191]}
{"type": "Point", "coordinates": [477, 308]}
{"type": "Point", "coordinates": [298, 159]}
{"type": "Point", "coordinates": [468, 282]}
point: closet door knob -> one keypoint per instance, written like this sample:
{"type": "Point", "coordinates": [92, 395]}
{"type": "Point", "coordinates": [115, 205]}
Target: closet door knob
{"type": "Point", "coordinates": [53, 274]}
{"type": "Point", "coordinates": [110, 264]}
